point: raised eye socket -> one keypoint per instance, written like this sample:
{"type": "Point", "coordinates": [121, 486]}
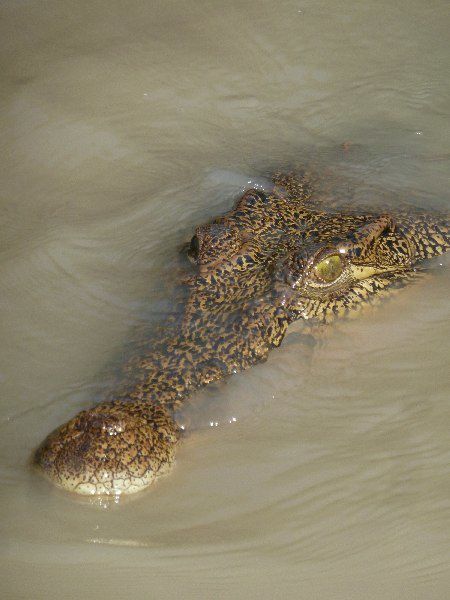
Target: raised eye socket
{"type": "Point", "coordinates": [194, 248]}
{"type": "Point", "coordinates": [329, 269]}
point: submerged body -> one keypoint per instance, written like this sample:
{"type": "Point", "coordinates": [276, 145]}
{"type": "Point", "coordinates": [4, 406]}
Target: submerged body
{"type": "Point", "coordinates": [274, 259]}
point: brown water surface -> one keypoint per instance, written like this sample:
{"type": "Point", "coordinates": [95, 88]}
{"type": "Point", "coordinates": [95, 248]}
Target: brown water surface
{"type": "Point", "coordinates": [123, 125]}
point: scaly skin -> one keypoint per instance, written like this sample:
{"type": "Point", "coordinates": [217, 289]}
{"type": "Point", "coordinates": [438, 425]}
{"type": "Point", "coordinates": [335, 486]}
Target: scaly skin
{"type": "Point", "coordinates": [273, 259]}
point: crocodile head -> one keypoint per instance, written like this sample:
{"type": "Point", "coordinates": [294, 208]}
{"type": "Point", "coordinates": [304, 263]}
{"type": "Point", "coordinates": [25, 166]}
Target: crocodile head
{"type": "Point", "coordinates": [273, 259]}
{"type": "Point", "coordinates": [289, 250]}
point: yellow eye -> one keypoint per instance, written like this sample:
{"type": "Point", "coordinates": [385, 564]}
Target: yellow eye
{"type": "Point", "coordinates": [329, 269]}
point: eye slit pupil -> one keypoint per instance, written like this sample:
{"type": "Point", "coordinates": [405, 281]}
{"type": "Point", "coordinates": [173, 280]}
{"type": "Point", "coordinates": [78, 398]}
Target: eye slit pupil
{"type": "Point", "coordinates": [329, 269]}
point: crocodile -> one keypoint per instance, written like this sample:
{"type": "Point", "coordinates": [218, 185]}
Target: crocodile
{"type": "Point", "coordinates": [275, 258]}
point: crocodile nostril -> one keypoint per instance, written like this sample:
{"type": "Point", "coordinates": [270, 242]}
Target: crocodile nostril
{"type": "Point", "coordinates": [194, 248]}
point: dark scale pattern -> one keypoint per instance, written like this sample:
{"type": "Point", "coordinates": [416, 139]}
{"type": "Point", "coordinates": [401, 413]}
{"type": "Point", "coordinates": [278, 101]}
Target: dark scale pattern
{"type": "Point", "coordinates": [258, 268]}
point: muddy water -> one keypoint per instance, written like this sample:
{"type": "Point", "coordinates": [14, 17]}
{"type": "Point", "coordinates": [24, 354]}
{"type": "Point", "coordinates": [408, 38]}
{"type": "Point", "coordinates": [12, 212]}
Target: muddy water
{"type": "Point", "coordinates": [123, 125]}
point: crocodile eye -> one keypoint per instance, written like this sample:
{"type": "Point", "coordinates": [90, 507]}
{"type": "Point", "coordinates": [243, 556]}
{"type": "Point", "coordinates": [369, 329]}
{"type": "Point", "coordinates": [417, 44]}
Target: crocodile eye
{"type": "Point", "coordinates": [194, 248]}
{"type": "Point", "coordinates": [329, 269]}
